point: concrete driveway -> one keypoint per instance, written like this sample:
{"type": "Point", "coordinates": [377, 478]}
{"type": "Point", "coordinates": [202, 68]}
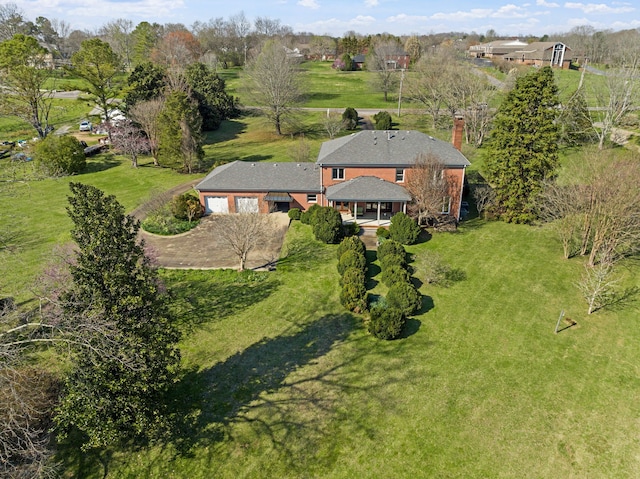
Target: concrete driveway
{"type": "Point", "coordinates": [201, 248]}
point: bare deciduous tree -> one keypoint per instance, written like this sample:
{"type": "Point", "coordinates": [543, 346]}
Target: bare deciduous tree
{"type": "Point", "coordinates": [483, 195]}
{"type": "Point", "coordinates": [146, 114]}
{"type": "Point", "coordinates": [430, 188]}
{"type": "Point", "coordinates": [300, 151]}
{"type": "Point", "coordinates": [333, 123]}
{"type": "Point", "coordinates": [617, 98]}
{"type": "Point", "coordinates": [273, 83]}
{"type": "Point", "coordinates": [243, 232]}
{"type": "Point", "coordinates": [386, 76]}
{"type": "Point", "coordinates": [598, 285]}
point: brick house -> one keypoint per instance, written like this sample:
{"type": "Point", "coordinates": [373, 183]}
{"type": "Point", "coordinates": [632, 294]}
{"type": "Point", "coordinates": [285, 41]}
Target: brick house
{"type": "Point", "coordinates": [362, 175]}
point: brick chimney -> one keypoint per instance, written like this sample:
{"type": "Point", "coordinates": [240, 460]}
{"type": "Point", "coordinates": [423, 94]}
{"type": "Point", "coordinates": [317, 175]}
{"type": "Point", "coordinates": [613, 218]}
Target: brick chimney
{"type": "Point", "coordinates": [458, 131]}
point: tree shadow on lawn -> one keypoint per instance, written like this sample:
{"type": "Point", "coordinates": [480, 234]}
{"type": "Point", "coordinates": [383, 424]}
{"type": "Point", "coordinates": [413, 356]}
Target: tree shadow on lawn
{"type": "Point", "coordinates": [238, 388]}
{"type": "Point", "coordinates": [229, 130]}
{"type": "Point", "coordinates": [97, 165]}
{"type": "Point", "coordinates": [198, 302]}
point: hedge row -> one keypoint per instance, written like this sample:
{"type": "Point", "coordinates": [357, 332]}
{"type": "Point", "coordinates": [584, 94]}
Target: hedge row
{"type": "Point", "coordinates": [403, 299]}
{"type": "Point", "coordinates": [352, 266]}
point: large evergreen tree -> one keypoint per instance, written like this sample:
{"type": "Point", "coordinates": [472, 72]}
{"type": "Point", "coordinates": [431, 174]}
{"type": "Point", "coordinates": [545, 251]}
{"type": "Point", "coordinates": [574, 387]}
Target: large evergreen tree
{"type": "Point", "coordinates": [179, 133]}
{"type": "Point", "coordinates": [208, 89]}
{"type": "Point", "coordinates": [125, 354]}
{"type": "Point", "coordinates": [523, 149]}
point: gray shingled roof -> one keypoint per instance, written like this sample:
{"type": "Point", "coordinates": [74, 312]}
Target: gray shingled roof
{"type": "Point", "coordinates": [387, 148]}
{"type": "Point", "coordinates": [367, 188]}
{"type": "Point", "coordinates": [245, 176]}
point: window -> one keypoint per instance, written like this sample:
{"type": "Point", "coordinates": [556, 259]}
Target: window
{"type": "Point", "coordinates": [337, 173]}
{"type": "Point", "coordinates": [399, 175]}
{"type": "Point", "coordinates": [312, 198]}
{"type": "Point", "coordinates": [446, 205]}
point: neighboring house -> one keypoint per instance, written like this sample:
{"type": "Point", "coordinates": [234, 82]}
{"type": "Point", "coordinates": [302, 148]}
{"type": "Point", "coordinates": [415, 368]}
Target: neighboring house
{"type": "Point", "coordinates": [362, 175]}
{"type": "Point", "coordinates": [399, 61]}
{"type": "Point", "coordinates": [555, 54]}
{"type": "Point", "coordinates": [542, 54]}
{"type": "Point", "coordinates": [496, 48]}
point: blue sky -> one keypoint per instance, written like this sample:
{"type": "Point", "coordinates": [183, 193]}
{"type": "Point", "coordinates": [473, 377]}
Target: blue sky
{"type": "Point", "coordinates": [335, 17]}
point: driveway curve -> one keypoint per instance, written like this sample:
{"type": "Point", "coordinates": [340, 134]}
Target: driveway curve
{"type": "Point", "coordinates": [202, 248]}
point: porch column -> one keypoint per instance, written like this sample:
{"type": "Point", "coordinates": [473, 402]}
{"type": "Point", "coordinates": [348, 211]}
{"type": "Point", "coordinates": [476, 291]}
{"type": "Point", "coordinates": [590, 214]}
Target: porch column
{"type": "Point", "coordinates": [355, 212]}
{"type": "Point", "coordinates": [378, 213]}
{"type": "Point", "coordinates": [404, 207]}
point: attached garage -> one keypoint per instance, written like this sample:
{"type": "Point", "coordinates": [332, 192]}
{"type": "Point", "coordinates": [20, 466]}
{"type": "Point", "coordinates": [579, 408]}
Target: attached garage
{"type": "Point", "coordinates": [217, 204]}
{"type": "Point", "coordinates": [247, 204]}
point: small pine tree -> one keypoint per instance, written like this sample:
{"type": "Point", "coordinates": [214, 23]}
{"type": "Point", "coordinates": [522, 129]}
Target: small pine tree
{"type": "Point", "coordinates": [404, 229]}
{"type": "Point", "coordinates": [350, 118]}
{"type": "Point", "coordinates": [386, 322]}
{"type": "Point", "coordinates": [327, 225]}
{"type": "Point", "coordinates": [405, 297]}
{"type": "Point", "coordinates": [60, 155]}
{"type": "Point", "coordinates": [383, 120]}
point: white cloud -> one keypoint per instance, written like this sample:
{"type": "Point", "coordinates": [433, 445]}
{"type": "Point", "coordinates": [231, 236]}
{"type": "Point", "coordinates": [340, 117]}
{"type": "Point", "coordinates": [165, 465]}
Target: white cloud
{"type": "Point", "coordinates": [309, 4]}
{"type": "Point", "coordinates": [472, 14]}
{"type": "Point", "coordinates": [362, 20]}
{"type": "Point", "coordinates": [543, 3]}
{"type": "Point", "coordinates": [510, 11]}
{"type": "Point", "coordinates": [407, 19]}
{"type": "Point", "coordinates": [371, 3]}
{"type": "Point", "coordinates": [599, 8]}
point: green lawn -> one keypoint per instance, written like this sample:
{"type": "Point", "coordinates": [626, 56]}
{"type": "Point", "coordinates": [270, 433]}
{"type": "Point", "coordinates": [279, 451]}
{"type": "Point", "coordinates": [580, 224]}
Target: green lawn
{"type": "Point", "coordinates": [36, 210]}
{"type": "Point", "coordinates": [282, 382]}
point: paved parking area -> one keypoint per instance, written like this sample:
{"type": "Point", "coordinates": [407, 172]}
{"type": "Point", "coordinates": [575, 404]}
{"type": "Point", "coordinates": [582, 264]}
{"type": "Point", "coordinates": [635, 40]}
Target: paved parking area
{"type": "Point", "coordinates": [201, 248]}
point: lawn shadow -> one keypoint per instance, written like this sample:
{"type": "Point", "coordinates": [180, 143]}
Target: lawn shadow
{"type": "Point", "coordinates": [98, 164]}
{"type": "Point", "coordinates": [424, 236]}
{"type": "Point", "coordinates": [321, 96]}
{"type": "Point", "coordinates": [201, 302]}
{"type": "Point", "coordinates": [427, 304]}
{"type": "Point", "coordinates": [229, 130]}
{"type": "Point", "coordinates": [410, 328]}
{"type": "Point", "coordinates": [623, 299]}
{"type": "Point", "coordinates": [209, 400]}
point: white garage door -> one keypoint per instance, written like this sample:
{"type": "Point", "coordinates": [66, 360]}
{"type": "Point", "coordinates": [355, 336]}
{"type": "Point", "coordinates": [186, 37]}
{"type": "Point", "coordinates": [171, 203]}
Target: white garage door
{"type": "Point", "coordinates": [247, 205]}
{"type": "Point", "coordinates": [217, 204]}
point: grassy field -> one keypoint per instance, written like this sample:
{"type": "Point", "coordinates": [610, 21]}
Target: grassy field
{"type": "Point", "coordinates": [34, 210]}
{"type": "Point", "coordinates": [282, 382]}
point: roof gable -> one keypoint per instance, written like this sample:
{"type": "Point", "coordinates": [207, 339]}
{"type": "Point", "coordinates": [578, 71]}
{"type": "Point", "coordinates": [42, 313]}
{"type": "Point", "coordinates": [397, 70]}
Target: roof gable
{"type": "Point", "coordinates": [387, 148]}
{"type": "Point", "coordinates": [364, 188]}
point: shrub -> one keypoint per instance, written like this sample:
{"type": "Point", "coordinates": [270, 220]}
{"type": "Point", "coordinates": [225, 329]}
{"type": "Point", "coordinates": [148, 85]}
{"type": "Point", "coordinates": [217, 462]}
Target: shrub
{"type": "Point", "coordinates": [352, 275]}
{"type": "Point", "coordinates": [383, 120]}
{"type": "Point", "coordinates": [187, 207]}
{"type": "Point", "coordinates": [435, 271]}
{"type": "Point", "coordinates": [394, 273]}
{"type": "Point", "coordinates": [405, 297]}
{"type": "Point", "coordinates": [327, 224]}
{"type": "Point", "coordinates": [294, 214]}
{"type": "Point", "coordinates": [390, 247]}
{"type": "Point", "coordinates": [350, 118]}
{"type": "Point", "coordinates": [60, 155]}
{"type": "Point", "coordinates": [382, 232]}
{"type": "Point", "coordinates": [309, 217]}
{"type": "Point", "coordinates": [352, 259]}
{"type": "Point", "coordinates": [352, 243]}
{"type": "Point", "coordinates": [404, 229]}
{"type": "Point", "coordinates": [354, 297]}
{"type": "Point", "coordinates": [393, 260]}
{"type": "Point", "coordinates": [351, 229]}
{"type": "Point", "coordinates": [386, 323]}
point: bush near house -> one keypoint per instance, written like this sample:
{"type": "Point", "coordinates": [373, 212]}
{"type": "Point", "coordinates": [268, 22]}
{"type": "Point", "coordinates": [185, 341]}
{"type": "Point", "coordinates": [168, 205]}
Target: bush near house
{"type": "Point", "coordinates": [327, 225]}
{"type": "Point", "coordinates": [405, 297]}
{"type": "Point", "coordinates": [404, 229]}
{"type": "Point", "coordinates": [352, 259]}
{"type": "Point", "coordinates": [187, 207]}
{"type": "Point", "coordinates": [390, 247]}
{"type": "Point", "coordinates": [294, 214]}
{"type": "Point", "coordinates": [350, 243]}
{"type": "Point", "coordinates": [394, 273]}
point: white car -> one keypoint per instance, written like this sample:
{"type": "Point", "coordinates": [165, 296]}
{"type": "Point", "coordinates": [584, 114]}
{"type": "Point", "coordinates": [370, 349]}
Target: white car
{"type": "Point", "coordinates": [85, 126]}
